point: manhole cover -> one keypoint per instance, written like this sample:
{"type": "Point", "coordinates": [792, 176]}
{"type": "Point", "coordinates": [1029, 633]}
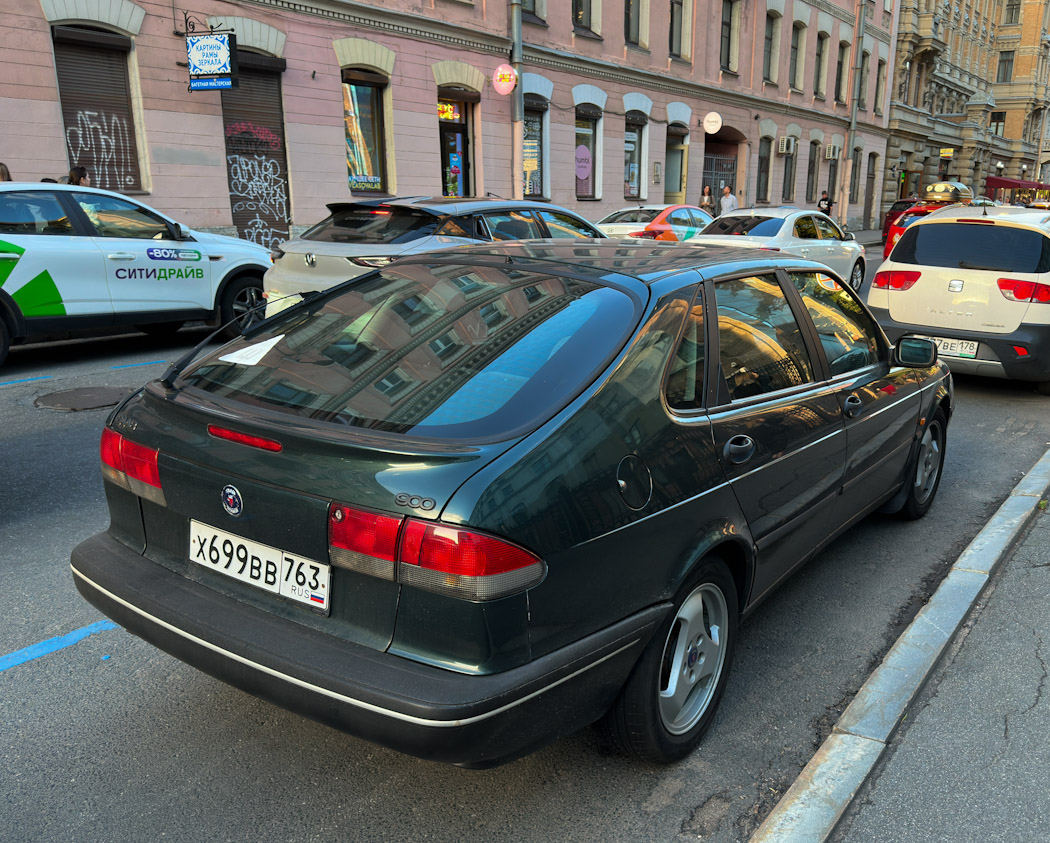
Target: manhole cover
{"type": "Point", "coordinates": [87, 398]}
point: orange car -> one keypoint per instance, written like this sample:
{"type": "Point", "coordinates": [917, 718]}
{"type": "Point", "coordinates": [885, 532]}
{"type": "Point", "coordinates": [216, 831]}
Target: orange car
{"type": "Point", "coordinates": [938, 195]}
{"type": "Point", "coordinates": [675, 223]}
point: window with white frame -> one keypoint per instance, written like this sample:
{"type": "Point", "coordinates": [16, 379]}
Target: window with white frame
{"type": "Point", "coordinates": [534, 149]}
{"type": "Point", "coordinates": [588, 151]}
{"type": "Point", "coordinates": [865, 66]}
{"type": "Point", "coordinates": [674, 45]}
{"type": "Point", "coordinates": [787, 193]}
{"type": "Point", "coordinates": [633, 155]}
{"type": "Point", "coordinates": [765, 151]}
{"type": "Point", "coordinates": [880, 86]}
{"type": "Point", "coordinates": [798, 59]}
{"type": "Point", "coordinates": [729, 41]}
{"type": "Point", "coordinates": [813, 171]}
{"type": "Point", "coordinates": [771, 48]}
{"type": "Point", "coordinates": [841, 71]}
{"type": "Point", "coordinates": [820, 64]}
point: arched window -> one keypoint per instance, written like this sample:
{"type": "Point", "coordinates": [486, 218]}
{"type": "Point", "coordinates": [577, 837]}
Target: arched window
{"type": "Point", "coordinates": [798, 45]}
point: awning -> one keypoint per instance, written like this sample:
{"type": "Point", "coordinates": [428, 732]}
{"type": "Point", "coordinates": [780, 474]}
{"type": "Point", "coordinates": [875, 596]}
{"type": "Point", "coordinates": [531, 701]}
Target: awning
{"type": "Point", "coordinates": [1014, 184]}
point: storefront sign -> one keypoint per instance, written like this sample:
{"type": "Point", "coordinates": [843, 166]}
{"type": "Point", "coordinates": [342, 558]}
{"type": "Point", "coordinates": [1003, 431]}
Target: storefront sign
{"type": "Point", "coordinates": [504, 79]}
{"type": "Point", "coordinates": [212, 60]}
{"type": "Point", "coordinates": [712, 122]}
{"type": "Point", "coordinates": [448, 111]}
{"type": "Point", "coordinates": [947, 152]}
{"type": "Point", "coordinates": [583, 162]}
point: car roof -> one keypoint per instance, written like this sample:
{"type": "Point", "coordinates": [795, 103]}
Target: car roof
{"type": "Point", "coordinates": [1034, 217]}
{"type": "Point", "coordinates": [782, 212]}
{"type": "Point", "coordinates": [645, 261]}
{"type": "Point", "coordinates": [640, 208]}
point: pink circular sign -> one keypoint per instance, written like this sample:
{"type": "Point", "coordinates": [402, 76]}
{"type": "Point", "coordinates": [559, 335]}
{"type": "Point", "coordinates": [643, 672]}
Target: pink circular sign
{"type": "Point", "coordinates": [504, 79]}
{"type": "Point", "coordinates": [583, 162]}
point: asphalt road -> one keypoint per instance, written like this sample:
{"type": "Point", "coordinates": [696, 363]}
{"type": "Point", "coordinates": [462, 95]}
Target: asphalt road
{"type": "Point", "coordinates": [109, 739]}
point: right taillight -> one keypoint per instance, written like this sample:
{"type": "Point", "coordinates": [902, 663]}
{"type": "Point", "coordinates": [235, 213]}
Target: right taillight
{"type": "Point", "coordinates": [131, 466]}
{"type": "Point", "coordinates": [1015, 289]}
{"type": "Point", "coordinates": [437, 557]}
{"type": "Point", "coordinates": [895, 279]}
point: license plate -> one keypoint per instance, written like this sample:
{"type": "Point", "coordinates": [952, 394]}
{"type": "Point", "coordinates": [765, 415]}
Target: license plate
{"type": "Point", "coordinates": [955, 348]}
{"type": "Point", "coordinates": [301, 580]}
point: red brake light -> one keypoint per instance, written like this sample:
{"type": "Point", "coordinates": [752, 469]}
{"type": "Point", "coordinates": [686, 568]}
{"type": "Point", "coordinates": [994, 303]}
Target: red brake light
{"type": "Point", "coordinates": [131, 466]}
{"type": "Point", "coordinates": [438, 557]}
{"type": "Point", "coordinates": [651, 235]}
{"type": "Point", "coordinates": [1020, 351]}
{"type": "Point", "coordinates": [244, 438]}
{"type": "Point", "coordinates": [1015, 289]}
{"type": "Point", "coordinates": [895, 279]}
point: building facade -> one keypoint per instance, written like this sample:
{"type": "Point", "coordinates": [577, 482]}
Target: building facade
{"type": "Point", "coordinates": [626, 101]}
{"type": "Point", "coordinates": [970, 94]}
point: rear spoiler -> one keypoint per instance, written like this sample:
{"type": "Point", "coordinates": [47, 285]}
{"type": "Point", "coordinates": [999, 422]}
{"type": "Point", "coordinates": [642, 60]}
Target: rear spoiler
{"type": "Point", "coordinates": [400, 201]}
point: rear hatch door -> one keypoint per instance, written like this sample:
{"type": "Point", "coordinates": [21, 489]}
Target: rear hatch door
{"type": "Point", "coordinates": [960, 265]}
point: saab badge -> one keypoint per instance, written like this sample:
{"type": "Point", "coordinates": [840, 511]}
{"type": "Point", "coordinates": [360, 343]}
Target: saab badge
{"type": "Point", "coordinates": [310, 259]}
{"type": "Point", "coordinates": [232, 501]}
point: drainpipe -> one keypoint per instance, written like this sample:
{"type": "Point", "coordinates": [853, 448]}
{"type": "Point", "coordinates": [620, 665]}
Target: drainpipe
{"type": "Point", "coordinates": [517, 107]}
{"type": "Point", "coordinates": [851, 138]}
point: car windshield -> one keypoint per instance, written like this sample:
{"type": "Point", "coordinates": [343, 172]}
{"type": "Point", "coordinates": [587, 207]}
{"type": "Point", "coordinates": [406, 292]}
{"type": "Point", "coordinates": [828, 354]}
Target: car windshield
{"type": "Point", "coordinates": [960, 245]}
{"type": "Point", "coordinates": [752, 226]}
{"type": "Point", "coordinates": [446, 351]}
{"type": "Point", "coordinates": [371, 224]}
{"type": "Point", "coordinates": [641, 215]}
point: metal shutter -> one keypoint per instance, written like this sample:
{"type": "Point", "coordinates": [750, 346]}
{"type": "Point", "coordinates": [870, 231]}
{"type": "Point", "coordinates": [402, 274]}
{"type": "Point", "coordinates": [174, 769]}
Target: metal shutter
{"type": "Point", "coordinates": [96, 110]}
{"type": "Point", "coordinates": [253, 122]}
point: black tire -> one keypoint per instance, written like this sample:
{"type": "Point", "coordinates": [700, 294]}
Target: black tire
{"type": "Point", "coordinates": [924, 475]}
{"type": "Point", "coordinates": [161, 330]}
{"type": "Point", "coordinates": [241, 300]}
{"type": "Point", "coordinates": [652, 717]}
{"type": "Point", "coordinates": [856, 276]}
{"type": "Point", "coordinates": [5, 341]}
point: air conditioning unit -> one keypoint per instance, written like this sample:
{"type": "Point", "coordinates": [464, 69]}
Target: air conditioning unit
{"type": "Point", "coordinates": [832, 152]}
{"type": "Point", "coordinates": [786, 145]}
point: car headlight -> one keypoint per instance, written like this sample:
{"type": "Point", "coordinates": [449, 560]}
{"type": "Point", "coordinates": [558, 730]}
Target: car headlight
{"type": "Point", "coordinates": [275, 253]}
{"type": "Point", "coordinates": [373, 262]}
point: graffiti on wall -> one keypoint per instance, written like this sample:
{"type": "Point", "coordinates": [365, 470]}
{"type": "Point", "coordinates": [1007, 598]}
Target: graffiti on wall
{"type": "Point", "coordinates": [258, 183]}
{"type": "Point", "coordinates": [105, 144]}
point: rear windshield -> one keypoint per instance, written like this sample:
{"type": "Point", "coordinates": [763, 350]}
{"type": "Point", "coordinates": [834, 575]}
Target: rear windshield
{"type": "Point", "coordinates": [901, 206]}
{"type": "Point", "coordinates": [753, 226]}
{"type": "Point", "coordinates": [447, 351]}
{"type": "Point", "coordinates": [998, 248]}
{"type": "Point", "coordinates": [368, 224]}
{"type": "Point", "coordinates": [632, 215]}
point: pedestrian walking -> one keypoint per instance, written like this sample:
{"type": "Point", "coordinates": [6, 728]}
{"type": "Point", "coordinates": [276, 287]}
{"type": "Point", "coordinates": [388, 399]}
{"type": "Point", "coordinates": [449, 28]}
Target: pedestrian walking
{"type": "Point", "coordinates": [824, 204]}
{"type": "Point", "coordinates": [707, 200]}
{"type": "Point", "coordinates": [728, 201]}
{"type": "Point", "coordinates": [5, 174]}
{"type": "Point", "coordinates": [80, 177]}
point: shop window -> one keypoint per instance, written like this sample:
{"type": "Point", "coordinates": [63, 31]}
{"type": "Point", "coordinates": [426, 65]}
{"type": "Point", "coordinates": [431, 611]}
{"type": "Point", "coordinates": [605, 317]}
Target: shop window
{"type": "Point", "coordinates": [588, 138]}
{"type": "Point", "coordinates": [534, 159]}
{"type": "Point", "coordinates": [765, 148]}
{"type": "Point", "coordinates": [92, 70]}
{"type": "Point", "coordinates": [633, 156]}
{"type": "Point", "coordinates": [365, 140]}
{"type": "Point", "coordinates": [455, 109]}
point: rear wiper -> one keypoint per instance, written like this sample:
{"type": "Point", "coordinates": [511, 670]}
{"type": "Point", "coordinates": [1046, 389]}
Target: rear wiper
{"type": "Point", "coordinates": [968, 265]}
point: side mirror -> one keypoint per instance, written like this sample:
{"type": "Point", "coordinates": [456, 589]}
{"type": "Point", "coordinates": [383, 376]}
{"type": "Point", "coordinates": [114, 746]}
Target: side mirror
{"type": "Point", "coordinates": [178, 232]}
{"type": "Point", "coordinates": [850, 236]}
{"type": "Point", "coordinates": [916, 351]}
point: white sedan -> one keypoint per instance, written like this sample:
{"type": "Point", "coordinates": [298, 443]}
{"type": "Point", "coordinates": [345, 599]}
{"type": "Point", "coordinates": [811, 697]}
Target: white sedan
{"type": "Point", "coordinates": [808, 234]}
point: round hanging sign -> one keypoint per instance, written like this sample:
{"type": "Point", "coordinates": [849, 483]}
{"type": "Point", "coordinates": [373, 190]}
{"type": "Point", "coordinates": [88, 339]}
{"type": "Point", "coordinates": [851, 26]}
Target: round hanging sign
{"type": "Point", "coordinates": [504, 79]}
{"type": "Point", "coordinates": [712, 122]}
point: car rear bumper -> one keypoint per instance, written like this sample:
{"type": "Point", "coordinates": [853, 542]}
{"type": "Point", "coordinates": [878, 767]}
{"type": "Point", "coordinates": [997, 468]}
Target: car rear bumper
{"type": "Point", "coordinates": [996, 354]}
{"type": "Point", "coordinates": [463, 719]}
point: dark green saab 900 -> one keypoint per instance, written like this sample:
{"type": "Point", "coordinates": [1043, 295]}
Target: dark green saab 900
{"type": "Point", "coordinates": [480, 499]}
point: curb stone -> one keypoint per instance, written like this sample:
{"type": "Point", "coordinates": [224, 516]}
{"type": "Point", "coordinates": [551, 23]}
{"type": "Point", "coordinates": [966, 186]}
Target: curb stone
{"type": "Point", "coordinates": [815, 802]}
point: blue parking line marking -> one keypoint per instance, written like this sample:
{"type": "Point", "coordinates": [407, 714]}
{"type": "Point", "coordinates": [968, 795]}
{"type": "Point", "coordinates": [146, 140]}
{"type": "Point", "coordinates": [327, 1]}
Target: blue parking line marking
{"type": "Point", "coordinates": [35, 651]}
{"type": "Point", "coordinates": [133, 365]}
{"type": "Point", "coordinates": [26, 380]}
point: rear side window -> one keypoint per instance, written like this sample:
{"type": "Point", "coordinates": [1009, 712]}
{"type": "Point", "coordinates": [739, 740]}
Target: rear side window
{"type": "Point", "coordinates": [752, 226]}
{"type": "Point", "coordinates": [685, 376]}
{"type": "Point", "coordinates": [367, 224]}
{"type": "Point", "coordinates": [642, 215]}
{"type": "Point", "coordinates": [901, 206]}
{"type": "Point", "coordinates": [565, 227]}
{"type": "Point", "coordinates": [30, 212]}
{"type": "Point", "coordinates": [961, 245]}
{"type": "Point", "coordinates": [514, 225]}
{"type": "Point", "coordinates": [446, 351]}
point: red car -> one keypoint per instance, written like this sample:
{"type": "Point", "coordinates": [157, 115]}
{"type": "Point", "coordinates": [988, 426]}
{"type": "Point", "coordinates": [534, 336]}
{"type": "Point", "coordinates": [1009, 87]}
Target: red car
{"type": "Point", "coordinates": [939, 195]}
{"type": "Point", "coordinates": [896, 209]}
{"type": "Point", "coordinates": [673, 223]}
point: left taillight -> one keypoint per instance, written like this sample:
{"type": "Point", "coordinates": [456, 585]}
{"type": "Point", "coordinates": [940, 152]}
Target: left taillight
{"type": "Point", "coordinates": [436, 557]}
{"type": "Point", "coordinates": [131, 466]}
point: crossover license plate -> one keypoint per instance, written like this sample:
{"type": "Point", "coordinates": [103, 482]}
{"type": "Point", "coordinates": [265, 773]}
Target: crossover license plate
{"type": "Point", "coordinates": [955, 348]}
{"type": "Point", "coordinates": [299, 579]}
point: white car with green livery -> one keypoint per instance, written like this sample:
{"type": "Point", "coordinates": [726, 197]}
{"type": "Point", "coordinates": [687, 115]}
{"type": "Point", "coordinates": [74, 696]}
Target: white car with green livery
{"type": "Point", "coordinates": [77, 259]}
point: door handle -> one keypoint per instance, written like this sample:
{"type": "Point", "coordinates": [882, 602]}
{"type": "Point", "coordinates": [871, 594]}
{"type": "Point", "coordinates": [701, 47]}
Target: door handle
{"type": "Point", "coordinates": [853, 406]}
{"type": "Point", "coordinates": [121, 256]}
{"type": "Point", "coordinates": [739, 449]}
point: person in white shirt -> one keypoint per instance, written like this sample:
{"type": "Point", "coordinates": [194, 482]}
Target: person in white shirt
{"type": "Point", "coordinates": [728, 201]}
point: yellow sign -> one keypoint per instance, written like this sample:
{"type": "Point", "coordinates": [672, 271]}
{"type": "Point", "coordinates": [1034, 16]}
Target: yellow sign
{"type": "Point", "coordinates": [448, 111]}
{"type": "Point", "coordinates": [947, 152]}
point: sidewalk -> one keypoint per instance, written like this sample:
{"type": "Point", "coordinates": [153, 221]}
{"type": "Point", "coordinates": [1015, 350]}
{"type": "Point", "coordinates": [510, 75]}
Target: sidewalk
{"type": "Point", "coordinates": [967, 759]}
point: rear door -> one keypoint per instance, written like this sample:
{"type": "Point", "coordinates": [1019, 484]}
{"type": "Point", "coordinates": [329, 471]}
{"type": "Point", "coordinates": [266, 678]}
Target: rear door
{"type": "Point", "coordinates": [778, 430]}
{"type": "Point", "coordinates": [47, 263]}
{"type": "Point", "coordinates": [833, 251]}
{"type": "Point", "coordinates": [879, 404]}
{"type": "Point", "coordinates": [146, 268]}
{"type": "Point", "coordinates": [809, 243]}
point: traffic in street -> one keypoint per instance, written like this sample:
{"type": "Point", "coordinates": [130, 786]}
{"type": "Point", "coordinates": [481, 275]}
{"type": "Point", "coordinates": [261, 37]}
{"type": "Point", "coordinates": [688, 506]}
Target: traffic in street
{"type": "Point", "coordinates": [143, 746]}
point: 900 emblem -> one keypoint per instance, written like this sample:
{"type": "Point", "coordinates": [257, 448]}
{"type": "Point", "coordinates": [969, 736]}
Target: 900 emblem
{"type": "Point", "coordinates": [415, 501]}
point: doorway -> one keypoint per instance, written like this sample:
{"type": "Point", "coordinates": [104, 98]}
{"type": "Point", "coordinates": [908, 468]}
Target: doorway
{"type": "Point", "coordinates": [676, 165]}
{"type": "Point", "coordinates": [455, 148]}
